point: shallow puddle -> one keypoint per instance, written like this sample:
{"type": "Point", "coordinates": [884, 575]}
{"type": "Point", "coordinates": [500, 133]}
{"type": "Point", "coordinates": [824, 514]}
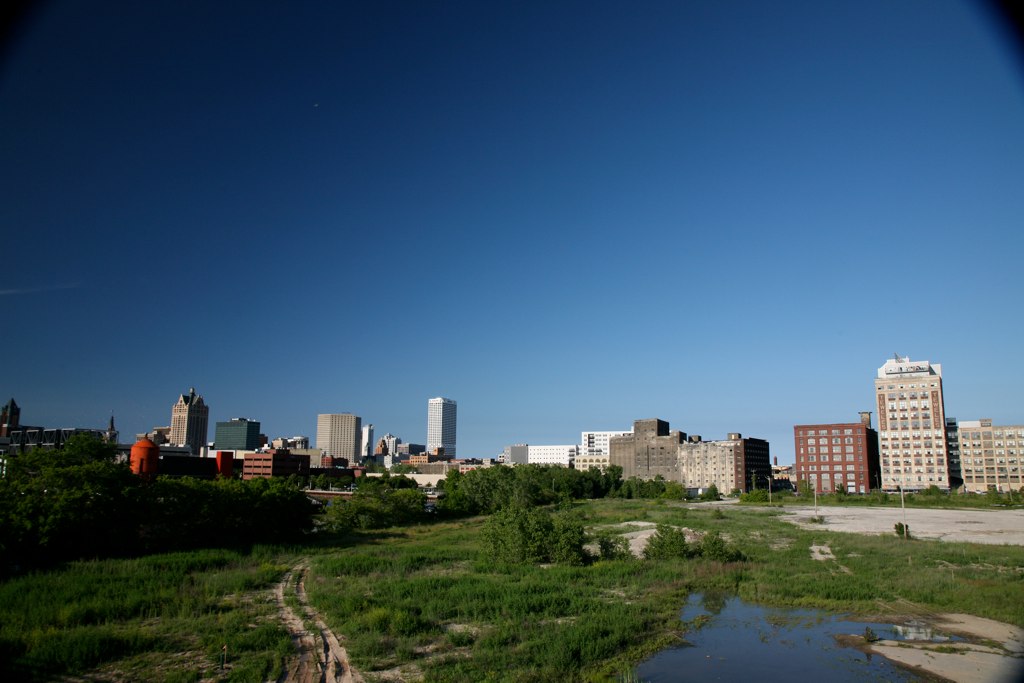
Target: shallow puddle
{"type": "Point", "coordinates": [730, 640]}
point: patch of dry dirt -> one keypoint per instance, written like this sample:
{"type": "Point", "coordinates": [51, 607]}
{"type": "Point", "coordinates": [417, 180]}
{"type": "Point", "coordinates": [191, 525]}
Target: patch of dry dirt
{"type": "Point", "coordinates": [320, 657]}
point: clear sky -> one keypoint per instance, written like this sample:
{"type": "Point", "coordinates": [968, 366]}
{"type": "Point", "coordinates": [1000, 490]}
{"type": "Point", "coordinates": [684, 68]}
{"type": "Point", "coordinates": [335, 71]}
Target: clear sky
{"type": "Point", "coordinates": [564, 215]}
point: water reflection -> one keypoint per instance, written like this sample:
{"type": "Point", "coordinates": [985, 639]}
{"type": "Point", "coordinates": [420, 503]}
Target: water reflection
{"type": "Point", "coordinates": [729, 639]}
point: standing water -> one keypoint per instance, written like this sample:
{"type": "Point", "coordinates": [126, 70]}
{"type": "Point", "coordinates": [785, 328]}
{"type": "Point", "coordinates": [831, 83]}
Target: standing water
{"type": "Point", "coordinates": [730, 640]}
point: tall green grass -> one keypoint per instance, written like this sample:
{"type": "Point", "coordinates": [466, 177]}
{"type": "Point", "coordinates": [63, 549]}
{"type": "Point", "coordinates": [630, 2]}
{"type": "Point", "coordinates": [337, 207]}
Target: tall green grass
{"type": "Point", "coordinates": [95, 612]}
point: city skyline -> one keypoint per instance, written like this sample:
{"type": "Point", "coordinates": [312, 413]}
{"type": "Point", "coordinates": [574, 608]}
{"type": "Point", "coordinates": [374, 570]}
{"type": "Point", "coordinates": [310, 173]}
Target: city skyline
{"type": "Point", "coordinates": [567, 216]}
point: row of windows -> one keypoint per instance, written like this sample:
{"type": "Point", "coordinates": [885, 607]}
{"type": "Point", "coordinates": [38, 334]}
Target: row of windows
{"type": "Point", "coordinates": [826, 468]}
{"type": "Point", "coordinates": [989, 452]}
{"type": "Point", "coordinates": [837, 457]}
{"type": "Point", "coordinates": [836, 440]}
{"type": "Point", "coordinates": [1000, 461]}
{"type": "Point", "coordinates": [910, 386]}
{"type": "Point", "coordinates": [989, 471]}
{"type": "Point", "coordinates": [936, 433]}
{"type": "Point", "coordinates": [825, 432]}
{"type": "Point", "coordinates": [825, 449]}
{"type": "Point", "coordinates": [913, 405]}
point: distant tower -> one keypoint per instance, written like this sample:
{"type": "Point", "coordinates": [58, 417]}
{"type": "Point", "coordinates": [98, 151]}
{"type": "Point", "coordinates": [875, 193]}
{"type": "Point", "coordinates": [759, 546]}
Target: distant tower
{"type": "Point", "coordinates": [441, 419]}
{"type": "Point", "coordinates": [10, 418]}
{"type": "Point", "coordinates": [366, 445]}
{"type": "Point", "coordinates": [338, 435]}
{"type": "Point", "coordinates": [110, 436]}
{"type": "Point", "coordinates": [190, 421]}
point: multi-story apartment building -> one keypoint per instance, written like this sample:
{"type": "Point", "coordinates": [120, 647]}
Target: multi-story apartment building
{"type": "Point", "coordinates": [338, 435]}
{"type": "Point", "coordinates": [238, 434]}
{"type": "Point", "coordinates": [991, 456]}
{"type": "Point", "coordinates": [441, 425]}
{"type": "Point", "coordinates": [190, 422]}
{"type": "Point", "coordinates": [911, 425]}
{"type": "Point", "coordinates": [838, 455]}
{"type": "Point", "coordinates": [595, 449]}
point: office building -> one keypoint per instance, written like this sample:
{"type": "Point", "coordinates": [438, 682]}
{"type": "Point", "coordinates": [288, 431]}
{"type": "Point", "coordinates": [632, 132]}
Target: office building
{"type": "Point", "coordinates": [956, 479]}
{"type": "Point", "coordinates": [441, 425]}
{"type": "Point", "coordinates": [564, 456]}
{"type": "Point", "coordinates": [838, 455]}
{"type": "Point", "coordinates": [275, 463]}
{"type": "Point", "coordinates": [991, 456]}
{"type": "Point", "coordinates": [339, 435]}
{"type": "Point", "coordinates": [911, 425]}
{"type": "Point", "coordinates": [595, 449]}
{"type": "Point", "coordinates": [238, 434]}
{"type": "Point", "coordinates": [366, 441]}
{"type": "Point", "coordinates": [190, 421]}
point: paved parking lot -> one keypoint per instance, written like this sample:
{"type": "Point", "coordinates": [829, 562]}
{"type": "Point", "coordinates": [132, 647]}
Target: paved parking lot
{"type": "Point", "coordinates": [970, 526]}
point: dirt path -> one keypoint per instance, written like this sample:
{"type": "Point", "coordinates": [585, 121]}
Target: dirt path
{"type": "Point", "coordinates": [320, 656]}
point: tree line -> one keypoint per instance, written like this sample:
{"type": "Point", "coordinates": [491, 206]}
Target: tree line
{"type": "Point", "coordinates": [80, 503]}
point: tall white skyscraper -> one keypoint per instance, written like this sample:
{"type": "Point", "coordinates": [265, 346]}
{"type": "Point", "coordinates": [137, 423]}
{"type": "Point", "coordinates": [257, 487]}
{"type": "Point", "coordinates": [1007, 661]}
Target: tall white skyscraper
{"type": "Point", "coordinates": [338, 435]}
{"type": "Point", "coordinates": [366, 445]}
{"type": "Point", "coordinates": [441, 420]}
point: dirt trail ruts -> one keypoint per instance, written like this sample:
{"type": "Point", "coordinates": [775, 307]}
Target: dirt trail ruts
{"type": "Point", "coordinates": [320, 656]}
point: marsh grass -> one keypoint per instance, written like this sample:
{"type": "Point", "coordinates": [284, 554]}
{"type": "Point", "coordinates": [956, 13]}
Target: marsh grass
{"type": "Point", "coordinates": [98, 612]}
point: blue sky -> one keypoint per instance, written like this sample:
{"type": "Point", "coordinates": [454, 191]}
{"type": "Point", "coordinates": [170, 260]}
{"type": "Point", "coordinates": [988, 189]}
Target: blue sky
{"type": "Point", "coordinates": [565, 216]}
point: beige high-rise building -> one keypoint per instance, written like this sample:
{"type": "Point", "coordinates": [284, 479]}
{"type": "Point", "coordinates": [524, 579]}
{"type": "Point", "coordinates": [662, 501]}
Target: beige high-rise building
{"type": "Point", "coordinates": [339, 435]}
{"type": "Point", "coordinates": [991, 455]}
{"type": "Point", "coordinates": [190, 421]}
{"type": "Point", "coordinates": [911, 425]}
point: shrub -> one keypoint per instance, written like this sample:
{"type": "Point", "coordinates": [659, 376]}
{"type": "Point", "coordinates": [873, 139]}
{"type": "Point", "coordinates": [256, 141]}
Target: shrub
{"type": "Point", "coordinates": [755, 496]}
{"type": "Point", "coordinates": [902, 530]}
{"type": "Point", "coordinates": [611, 547]}
{"type": "Point", "coordinates": [714, 547]}
{"type": "Point", "coordinates": [667, 543]}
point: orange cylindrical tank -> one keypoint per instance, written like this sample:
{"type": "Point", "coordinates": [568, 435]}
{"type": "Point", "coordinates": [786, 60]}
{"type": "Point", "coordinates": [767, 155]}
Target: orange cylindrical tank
{"type": "Point", "coordinates": [225, 463]}
{"type": "Point", "coordinates": [145, 459]}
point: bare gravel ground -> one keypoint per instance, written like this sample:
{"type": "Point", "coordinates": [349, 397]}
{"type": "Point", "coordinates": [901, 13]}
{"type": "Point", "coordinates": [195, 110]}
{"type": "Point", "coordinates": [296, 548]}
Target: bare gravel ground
{"type": "Point", "coordinates": [997, 527]}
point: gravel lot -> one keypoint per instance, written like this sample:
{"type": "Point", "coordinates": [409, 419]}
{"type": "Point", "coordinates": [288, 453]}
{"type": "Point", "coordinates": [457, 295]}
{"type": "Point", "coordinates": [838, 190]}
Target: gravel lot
{"type": "Point", "coordinates": [999, 527]}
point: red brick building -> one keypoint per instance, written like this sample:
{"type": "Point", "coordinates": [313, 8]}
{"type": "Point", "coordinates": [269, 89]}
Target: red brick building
{"type": "Point", "coordinates": [278, 462]}
{"type": "Point", "coordinates": [842, 454]}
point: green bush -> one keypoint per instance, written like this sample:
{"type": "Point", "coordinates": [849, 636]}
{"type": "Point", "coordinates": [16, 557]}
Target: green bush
{"type": "Point", "coordinates": [667, 543]}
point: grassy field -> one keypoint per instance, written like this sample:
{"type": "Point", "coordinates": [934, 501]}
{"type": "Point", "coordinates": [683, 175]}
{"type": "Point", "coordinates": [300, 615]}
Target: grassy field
{"type": "Point", "coordinates": [421, 601]}
{"type": "Point", "coordinates": [418, 600]}
{"type": "Point", "coordinates": [158, 618]}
